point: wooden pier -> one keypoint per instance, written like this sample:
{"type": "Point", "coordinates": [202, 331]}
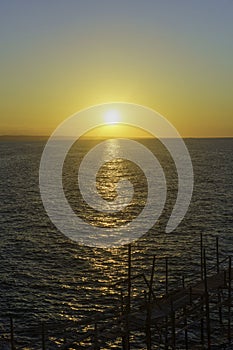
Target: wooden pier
{"type": "Point", "coordinates": [202, 306]}
{"type": "Point", "coordinates": [165, 322]}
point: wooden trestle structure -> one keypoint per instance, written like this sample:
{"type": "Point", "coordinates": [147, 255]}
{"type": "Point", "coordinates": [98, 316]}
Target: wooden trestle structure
{"type": "Point", "coordinates": [203, 307]}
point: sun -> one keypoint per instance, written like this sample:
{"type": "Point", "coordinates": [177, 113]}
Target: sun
{"type": "Point", "coordinates": [112, 117]}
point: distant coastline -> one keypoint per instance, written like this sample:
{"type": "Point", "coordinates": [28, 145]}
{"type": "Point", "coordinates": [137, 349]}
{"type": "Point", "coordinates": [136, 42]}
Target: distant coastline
{"type": "Point", "coordinates": [22, 138]}
{"type": "Point", "coordinates": [46, 137]}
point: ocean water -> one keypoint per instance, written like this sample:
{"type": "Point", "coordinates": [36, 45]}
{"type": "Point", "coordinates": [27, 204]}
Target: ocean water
{"type": "Point", "coordinates": [46, 277]}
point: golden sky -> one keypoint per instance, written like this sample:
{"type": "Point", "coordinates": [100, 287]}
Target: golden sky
{"type": "Point", "coordinates": [58, 57]}
{"type": "Point", "coordinates": [112, 131]}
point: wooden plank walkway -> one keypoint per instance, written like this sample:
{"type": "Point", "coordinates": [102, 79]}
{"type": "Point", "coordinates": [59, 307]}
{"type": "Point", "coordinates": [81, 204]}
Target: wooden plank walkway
{"type": "Point", "coordinates": [182, 298]}
{"type": "Point", "coordinates": [160, 309]}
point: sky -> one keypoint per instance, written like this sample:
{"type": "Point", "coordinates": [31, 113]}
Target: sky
{"type": "Point", "coordinates": [174, 56]}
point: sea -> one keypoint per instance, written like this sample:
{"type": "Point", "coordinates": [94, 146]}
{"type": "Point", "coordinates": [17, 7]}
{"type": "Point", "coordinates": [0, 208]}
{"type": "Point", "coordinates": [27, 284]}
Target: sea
{"type": "Point", "coordinates": [54, 288]}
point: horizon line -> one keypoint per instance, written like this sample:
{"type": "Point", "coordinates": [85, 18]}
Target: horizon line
{"type": "Point", "coordinates": [112, 137]}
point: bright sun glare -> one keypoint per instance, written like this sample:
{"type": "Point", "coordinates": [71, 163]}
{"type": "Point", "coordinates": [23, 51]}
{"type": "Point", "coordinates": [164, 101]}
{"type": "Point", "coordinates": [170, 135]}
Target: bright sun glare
{"type": "Point", "coordinates": [112, 117]}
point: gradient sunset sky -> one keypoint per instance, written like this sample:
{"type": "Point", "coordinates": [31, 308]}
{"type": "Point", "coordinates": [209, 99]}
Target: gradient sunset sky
{"type": "Point", "coordinates": [60, 56]}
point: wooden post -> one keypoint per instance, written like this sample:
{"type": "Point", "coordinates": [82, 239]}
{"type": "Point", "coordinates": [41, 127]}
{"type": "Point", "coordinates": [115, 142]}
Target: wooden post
{"type": "Point", "coordinates": [12, 334]}
{"type": "Point", "coordinates": [202, 323]}
{"type": "Point", "coordinates": [43, 335]}
{"type": "Point", "coordinates": [183, 282]}
{"type": "Point", "coordinates": [166, 287]}
{"type": "Point", "coordinates": [148, 330]}
{"type": "Point", "coordinates": [152, 279]}
{"type": "Point", "coordinates": [185, 317]}
{"type": "Point", "coordinates": [229, 302]}
{"type": "Point", "coordinates": [186, 329]}
{"type": "Point", "coordinates": [166, 291]}
{"type": "Point", "coordinates": [129, 277]}
{"type": "Point", "coordinates": [96, 344]}
{"type": "Point", "coordinates": [145, 296]}
{"type": "Point", "coordinates": [123, 337]}
{"type": "Point", "coordinates": [129, 300]}
{"type": "Point", "coordinates": [166, 333]}
{"type": "Point", "coordinates": [201, 247]}
{"type": "Point", "coordinates": [190, 295]}
{"type": "Point", "coordinates": [173, 322]}
{"type": "Point", "coordinates": [207, 303]}
{"type": "Point", "coordinates": [148, 316]}
{"type": "Point", "coordinates": [225, 278]}
{"type": "Point", "coordinates": [218, 270]}
{"type": "Point", "coordinates": [217, 254]}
